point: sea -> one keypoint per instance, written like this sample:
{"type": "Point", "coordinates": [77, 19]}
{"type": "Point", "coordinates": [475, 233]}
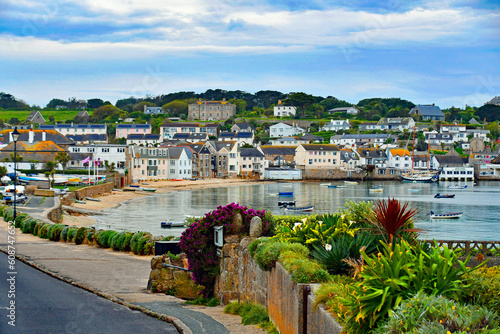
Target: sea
{"type": "Point", "coordinates": [479, 202]}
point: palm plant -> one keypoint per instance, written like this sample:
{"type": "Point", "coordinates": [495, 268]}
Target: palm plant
{"type": "Point", "coordinates": [392, 220]}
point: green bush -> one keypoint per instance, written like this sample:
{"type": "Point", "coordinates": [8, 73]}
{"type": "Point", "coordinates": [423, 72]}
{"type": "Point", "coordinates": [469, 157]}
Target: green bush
{"type": "Point", "coordinates": [268, 252]}
{"type": "Point", "coordinates": [301, 269]}
{"type": "Point", "coordinates": [24, 225]}
{"type": "Point", "coordinates": [399, 272]}
{"type": "Point", "coordinates": [138, 242]}
{"type": "Point", "coordinates": [8, 215]}
{"type": "Point", "coordinates": [44, 231]}
{"type": "Point", "coordinates": [71, 234]}
{"type": "Point", "coordinates": [54, 232]}
{"type": "Point", "coordinates": [64, 233]}
{"type": "Point", "coordinates": [90, 236]}
{"type": "Point", "coordinates": [80, 235]}
{"type": "Point", "coordinates": [19, 218]}
{"type": "Point", "coordinates": [437, 314]}
{"type": "Point", "coordinates": [210, 302]}
{"type": "Point", "coordinates": [251, 314]}
{"type": "Point", "coordinates": [32, 225]}
{"type": "Point", "coordinates": [485, 287]}
{"type": "Point", "coordinates": [104, 238]}
{"type": "Point", "coordinates": [121, 241]}
{"type": "Point", "coordinates": [3, 208]}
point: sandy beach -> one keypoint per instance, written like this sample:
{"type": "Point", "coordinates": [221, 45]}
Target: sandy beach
{"type": "Point", "coordinates": [118, 197]}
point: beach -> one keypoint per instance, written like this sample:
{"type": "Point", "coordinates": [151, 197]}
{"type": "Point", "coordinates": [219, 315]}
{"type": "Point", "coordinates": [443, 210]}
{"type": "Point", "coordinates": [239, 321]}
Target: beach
{"type": "Point", "coordinates": [117, 197]}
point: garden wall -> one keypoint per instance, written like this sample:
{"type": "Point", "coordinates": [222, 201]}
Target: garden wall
{"type": "Point", "coordinates": [93, 191]}
{"type": "Point", "coordinates": [282, 297]}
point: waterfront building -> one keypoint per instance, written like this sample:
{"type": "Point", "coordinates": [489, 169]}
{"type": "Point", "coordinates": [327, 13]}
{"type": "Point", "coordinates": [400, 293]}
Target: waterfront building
{"type": "Point", "coordinates": [252, 162]}
{"type": "Point", "coordinates": [317, 156]}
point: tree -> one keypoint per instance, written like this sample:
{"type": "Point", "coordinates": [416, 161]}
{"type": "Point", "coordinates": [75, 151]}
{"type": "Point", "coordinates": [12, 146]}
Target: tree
{"type": "Point", "coordinates": [332, 102]}
{"type": "Point", "coordinates": [52, 119]}
{"type": "Point", "coordinates": [494, 130]}
{"type": "Point", "coordinates": [241, 105]}
{"type": "Point", "coordinates": [8, 101]}
{"type": "Point", "coordinates": [176, 108]}
{"type": "Point", "coordinates": [63, 158]}
{"type": "Point", "coordinates": [3, 171]}
{"type": "Point", "coordinates": [14, 121]}
{"type": "Point", "coordinates": [18, 157]}
{"type": "Point", "coordinates": [302, 101]}
{"type": "Point", "coordinates": [140, 106]}
{"type": "Point", "coordinates": [94, 103]}
{"type": "Point", "coordinates": [56, 102]}
{"type": "Point", "coordinates": [104, 112]}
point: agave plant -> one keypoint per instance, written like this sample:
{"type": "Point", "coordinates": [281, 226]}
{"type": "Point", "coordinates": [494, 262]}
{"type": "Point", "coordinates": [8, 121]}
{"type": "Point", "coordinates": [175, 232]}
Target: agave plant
{"type": "Point", "coordinates": [392, 220]}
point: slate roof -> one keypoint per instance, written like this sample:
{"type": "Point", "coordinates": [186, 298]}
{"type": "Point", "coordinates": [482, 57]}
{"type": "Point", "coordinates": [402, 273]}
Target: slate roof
{"type": "Point", "coordinates": [320, 147]}
{"type": "Point", "coordinates": [235, 135]}
{"type": "Point", "coordinates": [372, 153]}
{"type": "Point", "coordinates": [175, 152]}
{"type": "Point", "coordinates": [310, 136]}
{"type": "Point", "coordinates": [365, 136]}
{"type": "Point", "coordinates": [191, 136]}
{"type": "Point", "coordinates": [395, 120]}
{"type": "Point", "coordinates": [71, 126]}
{"type": "Point", "coordinates": [196, 147]}
{"type": "Point", "coordinates": [219, 145]}
{"type": "Point", "coordinates": [149, 136]}
{"type": "Point", "coordinates": [244, 125]}
{"type": "Point", "coordinates": [133, 126]}
{"type": "Point", "coordinates": [428, 110]}
{"type": "Point", "coordinates": [50, 135]}
{"type": "Point", "coordinates": [88, 137]}
{"type": "Point", "coordinates": [250, 152]}
{"type": "Point", "coordinates": [451, 160]}
{"type": "Point", "coordinates": [278, 150]}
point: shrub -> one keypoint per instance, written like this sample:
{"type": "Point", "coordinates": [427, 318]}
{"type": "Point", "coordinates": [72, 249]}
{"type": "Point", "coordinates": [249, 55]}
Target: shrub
{"type": "Point", "coordinates": [397, 273]}
{"type": "Point", "coordinates": [251, 314]}
{"type": "Point", "coordinates": [19, 218]}
{"type": "Point", "coordinates": [333, 255]}
{"type": "Point", "coordinates": [332, 292]}
{"type": "Point", "coordinates": [210, 302]}
{"type": "Point", "coordinates": [80, 235]}
{"type": "Point", "coordinates": [268, 253]}
{"type": "Point", "coordinates": [44, 231]}
{"type": "Point", "coordinates": [90, 236]}
{"type": "Point", "coordinates": [198, 239]}
{"type": "Point", "coordinates": [71, 234]}
{"type": "Point", "coordinates": [3, 208]}
{"type": "Point", "coordinates": [24, 225]}
{"type": "Point", "coordinates": [32, 226]}
{"type": "Point", "coordinates": [485, 287]}
{"type": "Point", "coordinates": [437, 314]}
{"type": "Point", "coordinates": [302, 269]}
{"type": "Point", "coordinates": [138, 242]}
{"type": "Point", "coordinates": [54, 232]}
{"type": "Point", "coordinates": [121, 241]}
{"type": "Point", "coordinates": [64, 233]}
{"type": "Point", "coordinates": [8, 215]}
{"type": "Point", "coordinates": [104, 238]}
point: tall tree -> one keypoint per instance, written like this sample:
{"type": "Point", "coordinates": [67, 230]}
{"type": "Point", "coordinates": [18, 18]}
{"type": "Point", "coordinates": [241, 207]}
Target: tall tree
{"type": "Point", "coordinates": [63, 158]}
{"type": "Point", "coordinates": [56, 102]}
{"type": "Point", "coordinates": [176, 108]}
{"type": "Point", "coordinates": [94, 103]}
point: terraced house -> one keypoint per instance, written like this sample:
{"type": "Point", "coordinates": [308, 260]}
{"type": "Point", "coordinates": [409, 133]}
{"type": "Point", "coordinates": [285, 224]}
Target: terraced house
{"type": "Point", "coordinates": [317, 156]}
{"type": "Point", "coordinates": [76, 129]}
{"type": "Point", "coordinates": [124, 130]}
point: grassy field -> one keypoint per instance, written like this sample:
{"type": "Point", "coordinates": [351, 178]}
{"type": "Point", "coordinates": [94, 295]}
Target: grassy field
{"type": "Point", "coordinates": [60, 116]}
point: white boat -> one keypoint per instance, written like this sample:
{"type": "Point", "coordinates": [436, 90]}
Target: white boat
{"type": "Point", "coordinates": [376, 190]}
{"type": "Point", "coordinates": [419, 177]}
{"type": "Point", "coordinates": [350, 182]}
{"type": "Point", "coordinates": [301, 209]}
{"type": "Point", "coordinates": [456, 186]}
{"type": "Point", "coordinates": [325, 184]}
{"type": "Point", "coordinates": [455, 215]}
{"type": "Point", "coordinates": [172, 224]}
{"type": "Point", "coordinates": [414, 190]}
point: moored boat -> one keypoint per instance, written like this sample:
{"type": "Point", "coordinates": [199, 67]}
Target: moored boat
{"type": "Point", "coordinates": [325, 184]}
{"type": "Point", "coordinates": [301, 209]}
{"type": "Point", "coordinates": [172, 224]}
{"type": "Point", "coordinates": [438, 195]}
{"type": "Point", "coordinates": [455, 215]}
{"type": "Point", "coordinates": [350, 182]}
{"type": "Point", "coordinates": [287, 193]}
{"type": "Point", "coordinates": [456, 186]}
{"type": "Point", "coordinates": [414, 190]}
{"type": "Point", "coordinates": [376, 190]}
{"type": "Point", "coordinates": [149, 189]}
{"type": "Point", "coordinates": [286, 204]}
{"type": "Point", "coordinates": [419, 177]}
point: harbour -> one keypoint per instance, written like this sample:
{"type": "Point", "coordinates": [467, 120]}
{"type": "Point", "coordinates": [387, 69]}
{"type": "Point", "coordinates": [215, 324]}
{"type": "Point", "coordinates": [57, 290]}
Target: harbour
{"type": "Point", "coordinates": [480, 205]}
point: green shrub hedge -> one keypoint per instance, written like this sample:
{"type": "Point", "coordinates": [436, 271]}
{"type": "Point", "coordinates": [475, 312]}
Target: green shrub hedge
{"type": "Point", "coordinates": [71, 234]}
{"type": "Point", "coordinates": [80, 235]}
{"type": "Point", "coordinates": [64, 233]}
{"type": "Point", "coordinates": [104, 238]}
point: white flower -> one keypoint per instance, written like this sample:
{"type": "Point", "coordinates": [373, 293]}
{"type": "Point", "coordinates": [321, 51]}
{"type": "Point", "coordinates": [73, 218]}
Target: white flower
{"type": "Point", "coordinates": [304, 220]}
{"type": "Point", "coordinates": [320, 222]}
{"type": "Point", "coordinates": [328, 247]}
{"type": "Point", "coordinates": [297, 224]}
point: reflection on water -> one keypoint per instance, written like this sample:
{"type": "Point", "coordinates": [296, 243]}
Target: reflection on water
{"type": "Point", "coordinates": [480, 205]}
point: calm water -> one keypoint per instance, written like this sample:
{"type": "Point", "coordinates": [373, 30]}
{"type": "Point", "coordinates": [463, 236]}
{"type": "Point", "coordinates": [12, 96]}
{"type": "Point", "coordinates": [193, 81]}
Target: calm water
{"type": "Point", "coordinates": [480, 205]}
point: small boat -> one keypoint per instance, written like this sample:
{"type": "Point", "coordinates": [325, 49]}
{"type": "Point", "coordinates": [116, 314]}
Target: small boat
{"type": "Point", "coordinates": [149, 189]}
{"type": "Point", "coordinates": [289, 193]}
{"type": "Point", "coordinates": [419, 177]}
{"type": "Point", "coordinates": [92, 199]}
{"type": "Point", "coordinates": [350, 182]}
{"type": "Point", "coordinates": [325, 184]}
{"type": "Point", "coordinates": [438, 195]}
{"type": "Point", "coordinates": [376, 190]}
{"type": "Point", "coordinates": [455, 215]}
{"type": "Point", "coordinates": [134, 186]}
{"type": "Point", "coordinates": [172, 224]}
{"type": "Point", "coordinates": [80, 201]}
{"type": "Point", "coordinates": [336, 186]}
{"type": "Point", "coordinates": [456, 186]}
{"type": "Point", "coordinates": [129, 189]}
{"type": "Point", "coordinates": [301, 209]}
{"type": "Point", "coordinates": [414, 190]}
{"type": "Point", "coordinates": [286, 204]}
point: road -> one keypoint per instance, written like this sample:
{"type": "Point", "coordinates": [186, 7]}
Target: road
{"type": "Point", "coordinates": [44, 304]}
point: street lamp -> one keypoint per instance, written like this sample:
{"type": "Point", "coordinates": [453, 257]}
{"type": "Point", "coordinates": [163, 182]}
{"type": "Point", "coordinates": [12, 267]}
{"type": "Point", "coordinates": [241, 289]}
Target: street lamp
{"type": "Point", "coordinates": [15, 137]}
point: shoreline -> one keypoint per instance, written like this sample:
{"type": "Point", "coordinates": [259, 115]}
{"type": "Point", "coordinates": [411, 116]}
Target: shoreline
{"type": "Point", "coordinates": [117, 198]}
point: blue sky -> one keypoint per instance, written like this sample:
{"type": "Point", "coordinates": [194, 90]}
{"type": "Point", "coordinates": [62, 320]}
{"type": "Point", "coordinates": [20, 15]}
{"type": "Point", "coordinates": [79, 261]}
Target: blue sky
{"type": "Point", "coordinates": [444, 52]}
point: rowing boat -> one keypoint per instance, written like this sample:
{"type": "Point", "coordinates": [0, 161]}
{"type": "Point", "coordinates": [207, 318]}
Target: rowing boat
{"type": "Point", "coordinates": [288, 193]}
{"type": "Point", "coordinates": [455, 215]}
{"type": "Point", "coordinates": [301, 209]}
{"type": "Point", "coordinates": [350, 182]}
{"type": "Point", "coordinates": [438, 195]}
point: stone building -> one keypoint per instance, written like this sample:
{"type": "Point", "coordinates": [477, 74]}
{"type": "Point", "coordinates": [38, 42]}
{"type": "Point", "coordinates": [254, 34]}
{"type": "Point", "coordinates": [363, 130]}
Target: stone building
{"type": "Point", "coordinates": [211, 110]}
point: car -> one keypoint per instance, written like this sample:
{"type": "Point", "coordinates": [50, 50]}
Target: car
{"type": "Point", "coordinates": [19, 199]}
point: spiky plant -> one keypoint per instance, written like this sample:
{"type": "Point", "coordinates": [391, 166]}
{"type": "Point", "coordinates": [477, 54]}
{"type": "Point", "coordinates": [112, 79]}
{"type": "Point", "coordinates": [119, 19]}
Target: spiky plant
{"type": "Point", "coordinates": [391, 219]}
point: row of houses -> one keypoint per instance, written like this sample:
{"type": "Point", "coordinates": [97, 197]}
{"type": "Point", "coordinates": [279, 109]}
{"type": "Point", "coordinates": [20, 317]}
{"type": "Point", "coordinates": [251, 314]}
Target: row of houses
{"type": "Point", "coordinates": [223, 159]}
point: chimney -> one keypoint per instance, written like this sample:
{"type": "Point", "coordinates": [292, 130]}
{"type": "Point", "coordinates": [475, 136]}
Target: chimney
{"type": "Point", "coordinates": [44, 135]}
{"type": "Point", "coordinates": [10, 137]}
{"type": "Point", "coordinates": [31, 136]}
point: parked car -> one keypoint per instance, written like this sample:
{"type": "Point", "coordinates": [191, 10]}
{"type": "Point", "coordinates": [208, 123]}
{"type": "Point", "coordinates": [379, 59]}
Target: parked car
{"type": "Point", "coordinates": [9, 190]}
{"type": "Point", "coordinates": [19, 199]}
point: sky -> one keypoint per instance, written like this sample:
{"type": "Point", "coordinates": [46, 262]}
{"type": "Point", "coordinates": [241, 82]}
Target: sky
{"type": "Point", "coordinates": [445, 52]}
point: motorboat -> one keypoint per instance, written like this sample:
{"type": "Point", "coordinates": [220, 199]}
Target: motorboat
{"type": "Point", "coordinates": [286, 193]}
{"type": "Point", "coordinates": [172, 224]}
{"type": "Point", "coordinates": [438, 195]}
{"type": "Point", "coordinates": [285, 204]}
{"type": "Point", "coordinates": [455, 215]}
{"type": "Point", "coordinates": [456, 186]}
{"type": "Point", "coordinates": [350, 182]}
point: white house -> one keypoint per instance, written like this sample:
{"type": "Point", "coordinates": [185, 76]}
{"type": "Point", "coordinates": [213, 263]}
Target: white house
{"type": "Point", "coordinates": [359, 139]}
{"type": "Point", "coordinates": [180, 163]}
{"type": "Point", "coordinates": [396, 123]}
{"type": "Point", "coordinates": [320, 156]}
{"type": "Point", "coordinates": [399, 158]}
{"type": "Point", "coordinates": [252, 162]}
{"type": "Point", "coordinates": [282, 111]}
{"type": "Point", "coordinates": [241, 138]}
{"type": "Point", "coordinates": [284, 130]}
{"type": "Point", "coordinates": [335, 125]}
{"type": "Point", "coordinates": [143, 139]}
{"type": "Point", "coordinates": [113, 153]}
{"type": "Point", "coordinates": [76, 129]}
{"type": "Point", "coordinates": [348, 110]}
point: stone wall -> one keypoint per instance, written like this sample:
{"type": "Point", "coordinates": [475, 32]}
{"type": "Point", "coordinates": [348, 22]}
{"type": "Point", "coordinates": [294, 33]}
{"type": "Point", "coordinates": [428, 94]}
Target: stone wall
{"type": "Point", "coordinates": [94, 191]}
{"type": "Point", "coordinates": [319, 320]}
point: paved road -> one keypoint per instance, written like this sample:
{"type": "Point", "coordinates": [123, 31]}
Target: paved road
{"type": "Point", "coordinates": [44, 304]}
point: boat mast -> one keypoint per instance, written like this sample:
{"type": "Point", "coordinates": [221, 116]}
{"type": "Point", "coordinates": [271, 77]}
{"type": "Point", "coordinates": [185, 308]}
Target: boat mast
{"type": "Point", "coordinates": [428, 158]}
{"type": "Point", "coordinates": [413, 150]}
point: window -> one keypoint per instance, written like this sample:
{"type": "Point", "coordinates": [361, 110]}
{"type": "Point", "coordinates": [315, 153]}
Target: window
{"type": "Point", "coordinates": [105, 150]}
{"type": "Point", "coordinates": [120, 150]}
{"type": "Point", "coordinates": [310, 161]}
{"type": "Point", "coordinates": [172, 171]}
